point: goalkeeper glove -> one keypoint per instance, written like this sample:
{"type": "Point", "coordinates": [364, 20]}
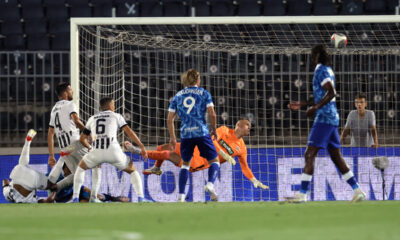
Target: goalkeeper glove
{"type": "Point", "coordinates": [257, 184]}
{"type": "Point", "coordinates": [227, 157]}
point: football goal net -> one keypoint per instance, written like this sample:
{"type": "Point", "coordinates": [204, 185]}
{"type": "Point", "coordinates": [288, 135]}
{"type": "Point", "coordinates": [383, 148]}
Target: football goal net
{"type": "Point", "coordinates": [253, 67]}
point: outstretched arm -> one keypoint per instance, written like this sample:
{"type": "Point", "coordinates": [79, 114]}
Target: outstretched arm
{"type": "Point", "coordinates": [248, 173]}
{"type": "Point", "coordinates": [132, 135]}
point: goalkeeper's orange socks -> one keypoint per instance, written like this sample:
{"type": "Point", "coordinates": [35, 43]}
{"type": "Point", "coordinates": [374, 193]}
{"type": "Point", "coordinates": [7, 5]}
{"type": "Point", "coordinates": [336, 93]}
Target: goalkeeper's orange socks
{"type": "Point", "coordinates": [350, 179]}
{"type": "Point", "coordinates": [305, 182]}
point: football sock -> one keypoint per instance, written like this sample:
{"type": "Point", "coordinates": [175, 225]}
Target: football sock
{"type": "Point", "coordinates": [24, 157]}
{"type": "Point", "coordinates": [305, 182]}
{"type": "Point", "coordinates": [183, 177]}
{"type": "Point", "coordinates": [66, 182]}
{"type": "Point", "coordinates": [96, 180]}
{"type": "Point", "coordinates": [213, 172]}
{"type": "Point", "coordinates": [137, 184]}
{"type": "Point", "coordinates": [79, 176]}
{"type": "Point", "coordinates": [56, 171]}
{"type": "Point", "coordinates": [351, 180]}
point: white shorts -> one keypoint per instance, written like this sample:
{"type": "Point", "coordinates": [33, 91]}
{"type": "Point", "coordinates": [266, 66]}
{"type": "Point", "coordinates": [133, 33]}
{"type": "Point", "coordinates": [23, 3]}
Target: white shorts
{"type": "Point", "coordinates": [73, 159]}
{"type": "Point", "coordinates": [29, 178]}
{"type": "Point", "coordinates": [113, 155]}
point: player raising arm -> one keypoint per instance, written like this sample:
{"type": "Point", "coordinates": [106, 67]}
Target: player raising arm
{"type": "Point", "coordinates": [229, 144]}
{"type": "Point", "coordinates": [104, 127]}
{"type": "Point", "coordinates": [24, 180]}
{"type": "Point", "coordinates": [324, 132]}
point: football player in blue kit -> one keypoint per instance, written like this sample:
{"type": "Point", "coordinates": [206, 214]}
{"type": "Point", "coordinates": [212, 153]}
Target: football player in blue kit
{"type": "Point", "coordinates": [324, 132]}
{"type": "Point", "coordinates": [191, 105]}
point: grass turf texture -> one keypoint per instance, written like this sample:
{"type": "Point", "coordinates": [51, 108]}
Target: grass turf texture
{"type": "Point", "coordinates": [179, 221]}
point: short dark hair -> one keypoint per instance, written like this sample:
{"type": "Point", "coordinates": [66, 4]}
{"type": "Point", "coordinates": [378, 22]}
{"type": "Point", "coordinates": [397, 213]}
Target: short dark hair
{"type": "Point", "coordinates": [105, 102]}
{"type": "Point", "coordinates": [61, 88]}
{"type": "Point", "coordinates": [361, 95]}
{"type": "Point", "coordinates": [319, 54]}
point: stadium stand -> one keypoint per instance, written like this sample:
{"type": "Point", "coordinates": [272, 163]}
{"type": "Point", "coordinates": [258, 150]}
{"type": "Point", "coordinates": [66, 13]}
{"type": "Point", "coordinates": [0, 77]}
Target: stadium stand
{"type": "Point", "coordinates": [249, 8]}
{"type": "Point", "coordinates": [43, 25]}
{"type": "Point", "coordinates": [352, 7]}
{"type": "Point", "coordinates": [298, 7]}
{"type": "Point", "coordinates": [273, 8]}
{"type": "Point", "coordinates": [202, 8]}
{"type": "Point", "coordinates": [222, 8]}
{"type": "Point", "coordinates": [324, 7]}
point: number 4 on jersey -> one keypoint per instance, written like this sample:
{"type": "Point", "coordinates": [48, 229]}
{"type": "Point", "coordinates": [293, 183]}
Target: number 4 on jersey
{"type": "Point", "coordinates": [57, 122]}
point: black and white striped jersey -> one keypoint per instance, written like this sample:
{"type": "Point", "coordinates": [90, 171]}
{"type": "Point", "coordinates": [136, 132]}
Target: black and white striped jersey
{"type": "Point", "coordinates": [104, 127]}
{"type": "Point", "coordinates": [65, 128]}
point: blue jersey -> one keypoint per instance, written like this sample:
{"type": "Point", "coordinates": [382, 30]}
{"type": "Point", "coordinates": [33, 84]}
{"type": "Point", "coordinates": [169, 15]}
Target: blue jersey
{"type": "Point", "coordinates": [328, 114]}
{"type": "Point", "coordinates": [191, 105]}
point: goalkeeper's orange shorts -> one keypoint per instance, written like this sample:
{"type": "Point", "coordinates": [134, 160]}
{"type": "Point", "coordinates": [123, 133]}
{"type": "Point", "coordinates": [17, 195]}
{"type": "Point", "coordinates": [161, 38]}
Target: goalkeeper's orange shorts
{"type": "Point", "coordinates": [198, 163]}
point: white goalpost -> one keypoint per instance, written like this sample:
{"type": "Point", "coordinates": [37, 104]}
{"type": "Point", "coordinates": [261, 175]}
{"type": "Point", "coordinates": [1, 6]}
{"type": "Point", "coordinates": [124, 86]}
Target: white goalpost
{"type": "Point", "coordinates": [253, 67]}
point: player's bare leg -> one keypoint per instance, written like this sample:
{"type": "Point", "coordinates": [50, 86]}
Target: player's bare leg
{"type": "Point", "coordinates": [347, 175]}
{"type": "Point", "coordinates": [136, 181]}
{"type": "Point", "coordinates": [212, 175]}
{"type": "Point", "coordinates": [79, 176]}
{"type": "Point", "coordinates": [309, 156]}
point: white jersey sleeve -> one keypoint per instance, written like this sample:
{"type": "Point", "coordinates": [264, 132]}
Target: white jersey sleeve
{"type": "Point", "coordinates": [121, 121]}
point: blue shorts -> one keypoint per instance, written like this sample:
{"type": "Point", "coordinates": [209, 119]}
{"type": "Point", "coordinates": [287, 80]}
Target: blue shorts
{"type": "Point", "coordinates": [204, 144]}
{"type": "Point", "coordinates": [324, 136]}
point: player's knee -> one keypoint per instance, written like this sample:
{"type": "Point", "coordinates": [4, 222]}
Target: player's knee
{"type": "Point", "coordinates": [185, 166]}
{"type": "Point", "coordinates": [215, 160]}
{"type": "Point", "coordinates": [130, 168]}
{"type": "Point", "coordinates": [83, 165]}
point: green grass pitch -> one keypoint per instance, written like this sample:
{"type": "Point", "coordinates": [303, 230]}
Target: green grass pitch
{"type": "Point", "coordinates": [222, 221]}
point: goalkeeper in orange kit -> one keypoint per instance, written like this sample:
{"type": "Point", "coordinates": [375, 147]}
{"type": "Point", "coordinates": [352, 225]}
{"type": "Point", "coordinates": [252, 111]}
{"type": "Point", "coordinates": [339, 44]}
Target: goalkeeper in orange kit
{"type": "Point", "coordinates": [229, 144]}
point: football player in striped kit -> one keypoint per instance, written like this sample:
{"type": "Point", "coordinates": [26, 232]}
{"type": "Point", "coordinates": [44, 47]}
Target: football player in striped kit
{"type": "Point", "coordinates": [25, 181]}
{"type": "Point", "coordinates": [103, 127]}
{"type": "Point", "coordinates": [65, 124]}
